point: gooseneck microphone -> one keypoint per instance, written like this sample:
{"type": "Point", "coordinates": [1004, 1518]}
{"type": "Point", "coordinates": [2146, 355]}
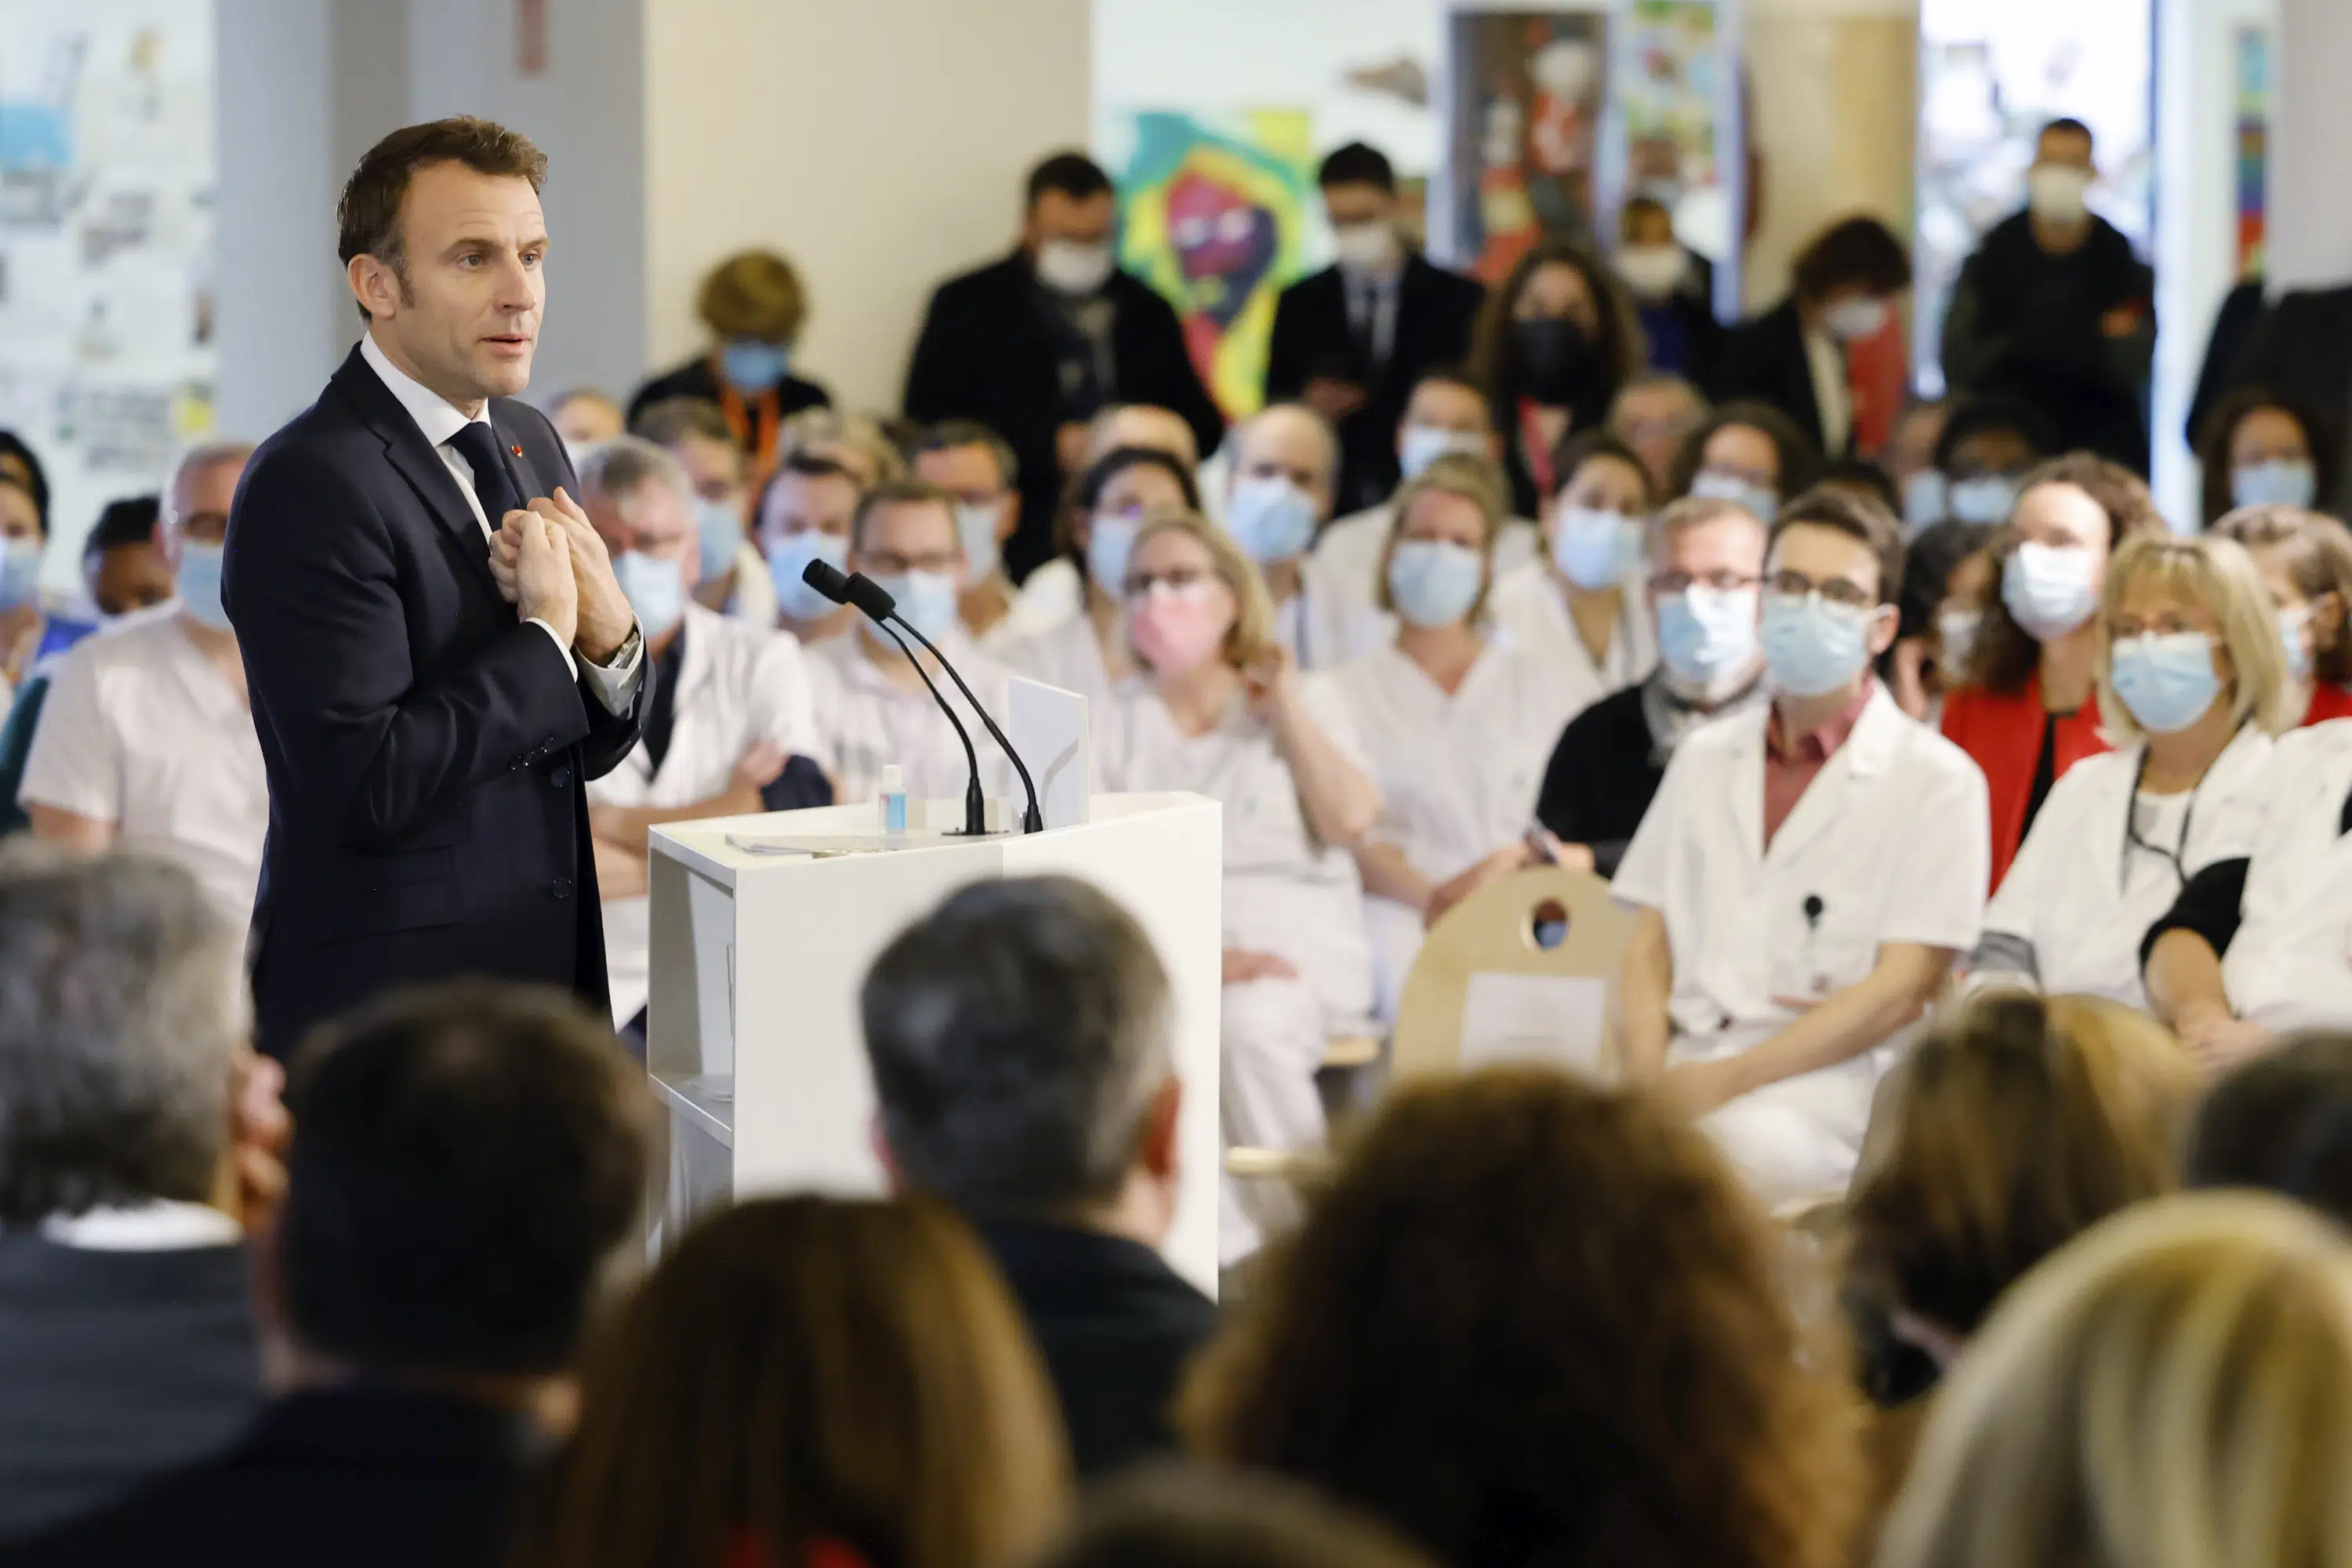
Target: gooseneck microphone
{"type": "Point", "coordinates": [870, 597]}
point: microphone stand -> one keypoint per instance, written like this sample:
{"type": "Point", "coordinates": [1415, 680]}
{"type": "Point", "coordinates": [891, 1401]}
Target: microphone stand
{"type": "Point", "coordinates": [975, 812]}
{"type": "Point", "coordinates": [1032, 819]}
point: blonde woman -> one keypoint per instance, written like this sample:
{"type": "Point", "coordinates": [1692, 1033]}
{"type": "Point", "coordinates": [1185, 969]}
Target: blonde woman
{"type": "Point", "coordinates": [855, 441]}
{"type": "Point", "coordinates": [2174, 1390]}
{"type": "Point", "coordinates": [2192, 683]}
{"type": "Point", "coordinates": [1220, 709]}
{"type": "Point", "coordinates": [1456, 725]}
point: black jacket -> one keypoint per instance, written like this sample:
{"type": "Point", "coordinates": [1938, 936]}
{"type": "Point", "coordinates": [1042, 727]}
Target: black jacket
{"type": "Point", "coordinates": [1764, 358]}
{"type": "Point", "coordinates": [427, 752]}
{"type": "Point", "coordinates": [694, 379]}
{"type": "Point", "coordinates": [1116, 1327]}
{"type": "Point", "coordinates": [2302, 348]}
{"type": "Point", "coordinates": [1602, 778]}
{"type": "Point", "coordinates": [357, 1478]}
{"type": "Point", "coordinates": [1434, 311]}
{"type": "Point", "coordinates": [987, 351]}
{"type": "Point", "coordinates": [114, 1368]}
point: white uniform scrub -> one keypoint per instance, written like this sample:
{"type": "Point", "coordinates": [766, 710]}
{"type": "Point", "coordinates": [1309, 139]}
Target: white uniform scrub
{"type": "Point", "coordinates": [737, 684]}
{"type": "Point", "coordinates": [1890, 843]}
{"type": "Point", "coordinates": [1067, 655]}
{"type": "Point", "coordinates": [2290, 964]}
{"type": "Point", "coordinates": [2088, 881]}
{"type": "Point", "coordinates": [865, 722]}
{"type": "Point", "coordinates": [141, 730]}
{"type": "Point", "coordinates": [1342, 578]}
{"type": "Point", "coordinates": [1528, 606]}
{"type": "Point", "coordinates": [1458, 773]}
{"type": "Point", "coordinates": [1285, 894]}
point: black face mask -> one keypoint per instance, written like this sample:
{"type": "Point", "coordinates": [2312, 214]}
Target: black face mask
{"type": "Point", "coordinates": [1554, 357]}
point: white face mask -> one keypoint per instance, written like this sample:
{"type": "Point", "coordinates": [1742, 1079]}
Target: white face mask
{"type": "Point", "coordinates": [2055, 193]}
{"type": "Point", "coordinates": [1851, 320]}
{"type": "Point", "coordinates": [1365, 247]}
{"type": "Point", "coordinates": [1068, 268]}
{"type": "Point", "coordinates": [1653, 271]}
{"type": "Point", "coordinates": [1422, 444]}
{"type": "Point", "coordinates": [976, 527]}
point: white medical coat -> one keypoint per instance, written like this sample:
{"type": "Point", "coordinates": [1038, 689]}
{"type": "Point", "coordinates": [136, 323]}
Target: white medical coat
{"type": "Point", "coordinates": [1342, 580]}
{"type": "Point", "coordinates": [1527, 607]}
{"type": "Point", "coordinates": [866, 721]}
{"type": "Point", "coordinates": [2290, 966]}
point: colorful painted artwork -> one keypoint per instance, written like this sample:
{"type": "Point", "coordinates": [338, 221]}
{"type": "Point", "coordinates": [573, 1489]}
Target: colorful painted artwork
{"type": "Point", "coordinates": [2252, 129]}
{"type": "Point", "coordinates": [1214, 216]}
{"type": "Point", "coordinates": [1524, 96]}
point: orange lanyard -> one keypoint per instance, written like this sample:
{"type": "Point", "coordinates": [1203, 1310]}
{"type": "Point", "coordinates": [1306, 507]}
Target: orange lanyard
{"type": "Point", "coordinates": [738, 419]}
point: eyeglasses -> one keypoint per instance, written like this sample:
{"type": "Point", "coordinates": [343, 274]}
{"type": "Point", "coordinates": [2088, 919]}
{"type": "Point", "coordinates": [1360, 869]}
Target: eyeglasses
{"type": "Point", "coordinates": [1668, 584]}
{"type": "Point", "coordinates": [1834, 590]}
{"type": "Point", "coordinates": [889, 563]}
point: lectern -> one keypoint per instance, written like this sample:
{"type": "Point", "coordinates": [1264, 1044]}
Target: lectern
{"type": "Point", "coordinates": [763, 927]}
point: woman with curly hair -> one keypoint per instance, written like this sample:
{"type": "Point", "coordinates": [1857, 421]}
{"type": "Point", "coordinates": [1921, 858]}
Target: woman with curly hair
{"type": "Point", "coordinates": [1537, 1321]}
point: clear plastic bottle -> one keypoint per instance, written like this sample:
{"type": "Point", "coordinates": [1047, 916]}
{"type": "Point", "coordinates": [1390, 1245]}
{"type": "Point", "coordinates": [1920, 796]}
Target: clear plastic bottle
{"type": "Point", "coordinates": [894, 799]}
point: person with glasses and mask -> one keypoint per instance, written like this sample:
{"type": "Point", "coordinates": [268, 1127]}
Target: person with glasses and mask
{"type": "Point", "coordinates": [1553, 345]}
{"type": "Point", "coordinates": [1988, 447]}
{"type": "Point", "coordinates": [2192, 682]}
{"type": "Point", "coordinates": [1808, 875]}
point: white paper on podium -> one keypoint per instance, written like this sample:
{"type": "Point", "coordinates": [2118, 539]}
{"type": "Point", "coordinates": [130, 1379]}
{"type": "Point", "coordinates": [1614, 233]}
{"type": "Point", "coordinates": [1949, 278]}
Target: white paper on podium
{"type": "Point", "coordinates": [1558, 1019]}
{"type": "Point", "coordinates": [1048, 727]}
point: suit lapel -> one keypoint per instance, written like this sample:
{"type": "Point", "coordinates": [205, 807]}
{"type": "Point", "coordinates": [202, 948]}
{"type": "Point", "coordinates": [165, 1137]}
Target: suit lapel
{"type": "Point", "coordinates": [416, 461]}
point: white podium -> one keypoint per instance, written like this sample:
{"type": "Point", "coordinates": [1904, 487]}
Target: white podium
{"type": "Point", "coordinates": [753, 1043]}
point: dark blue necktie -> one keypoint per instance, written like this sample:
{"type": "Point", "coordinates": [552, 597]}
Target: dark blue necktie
{"type": "Point", "coordinates": [494, 484]}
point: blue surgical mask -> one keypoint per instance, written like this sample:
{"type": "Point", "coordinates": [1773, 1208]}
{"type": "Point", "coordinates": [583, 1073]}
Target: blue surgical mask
{"type": "Point", "coordinates": [790, 556]}
{"type": "Point", "coordinates": [198, 578]}
{"type": "Point", "coordinates": [1596, 549]}
{"type": "Point", "coordinates": [1759, 502]}
{"type": "Point", "coordinates": [976, 526]}
{"type": "Point", "coordinates": [20, 571]}
{"type": "Point", "coordinates": [1421, 445]}
{"type": "Point", "coordinates": [2165, 678]}
{"type": "Point", "coordinates": [1927, 499]}
{"type": "Point", "coordinates": [2281, 481]}
{"type": "Point", "coordinates": [655, 590]}
{"type": "Point", "coordinates": [751, 365]}
{"type": "Point", "coordinates": [926, 600]}
{"type": "Point", "coordinates": [2049, 589]}
{"type": "Point", "coordinates": [1271, 519]}
{"type": "Point", "coordinates": [2293, 624]}
{"type": "Point", "coordinates": [1811, 647]}
{"type": "Point", "coordinates": [721, 535]}
{"type": "Point", "coordinates": [1706, 639]}
{"type": "Point", "coordinates": [1987, 499]}
{"type": "Point", "coordinates": [1109, 542]}
{"type": "Point", "coordinates": [1435, 582]}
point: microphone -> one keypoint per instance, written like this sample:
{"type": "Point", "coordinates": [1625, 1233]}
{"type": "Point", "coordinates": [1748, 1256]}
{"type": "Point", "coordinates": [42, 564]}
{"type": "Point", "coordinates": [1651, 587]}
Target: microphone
{"type": "Point", "coordinates": [874, 602]}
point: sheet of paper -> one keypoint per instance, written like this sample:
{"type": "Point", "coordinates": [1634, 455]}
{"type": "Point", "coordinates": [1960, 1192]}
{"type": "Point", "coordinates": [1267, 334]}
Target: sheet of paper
{"type": "Point", "coordinates": [1558, 1019]}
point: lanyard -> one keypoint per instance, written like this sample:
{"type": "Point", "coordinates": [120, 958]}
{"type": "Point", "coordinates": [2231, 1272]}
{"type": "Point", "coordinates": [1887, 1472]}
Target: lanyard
{"type": "Point", "coordinates": [738, 419]}
{"type": "Point", "coordinates": [2132, 839]}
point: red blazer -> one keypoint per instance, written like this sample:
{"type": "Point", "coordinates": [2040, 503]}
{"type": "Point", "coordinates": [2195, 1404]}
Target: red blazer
{"type": "Point", "coordinates": [2328, 701]}
{"type": "Point", "coordinates": [2002, 733]}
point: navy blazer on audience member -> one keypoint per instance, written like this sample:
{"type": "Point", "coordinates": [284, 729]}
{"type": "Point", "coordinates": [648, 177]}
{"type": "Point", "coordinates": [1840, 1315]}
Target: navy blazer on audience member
{"type": "Point", "coordinates": [1765, 359]}
{"type": "Point", "coordinates": [427, 752]}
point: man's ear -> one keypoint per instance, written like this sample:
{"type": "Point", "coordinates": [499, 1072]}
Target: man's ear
{"type": "Point", "coordinates": [1156, 1141]}
{"type": "Point", "coordinates": [1008, 519]}
{"type": "Point", "coordinates": [880, 1142]}
{"type": "Point", "coordinates": [373, 284]}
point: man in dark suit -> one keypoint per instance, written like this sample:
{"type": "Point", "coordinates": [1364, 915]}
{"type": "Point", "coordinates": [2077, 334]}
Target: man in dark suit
{"type": "Point", "coordinates": [1034, 345]}
{"type": "Point", "coordinates": [466, 1161]}
{"type": "Point", "coordinates": [1842, 288]}
{"type": "Point", "coordinates": [438, 655]}
{"type": "Point", "coordinates": [1019, 1038]}
{"type": "Point", "coordinates": [1351, 340]}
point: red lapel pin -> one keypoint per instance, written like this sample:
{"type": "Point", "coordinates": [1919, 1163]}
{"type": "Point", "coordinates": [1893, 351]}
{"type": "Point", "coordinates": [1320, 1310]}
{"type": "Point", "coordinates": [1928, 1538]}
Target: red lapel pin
{"type": "Point", "coordinates": [516, 450]}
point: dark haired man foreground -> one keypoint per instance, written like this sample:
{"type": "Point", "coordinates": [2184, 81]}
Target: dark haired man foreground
{"type": "Point", "coordinates": [437, 654]}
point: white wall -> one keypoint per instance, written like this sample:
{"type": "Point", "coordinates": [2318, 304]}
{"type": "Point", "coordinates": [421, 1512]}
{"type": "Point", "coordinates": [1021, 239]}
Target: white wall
{"type": "Point", "coordinates": [2311, 126]}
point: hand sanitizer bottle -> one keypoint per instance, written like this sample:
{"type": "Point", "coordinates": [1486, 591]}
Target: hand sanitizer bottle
{"type": "Point", "coordinates": [894, 799]}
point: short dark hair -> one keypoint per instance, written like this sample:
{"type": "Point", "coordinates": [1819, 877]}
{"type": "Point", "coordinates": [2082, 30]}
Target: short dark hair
{"type": "Point", "coordinates": [1844, 510]}
{"type": "Point", "coordinates": [898, 492]}
{"type": "Point", "coordinates": [1863, 478]}
{"type": "Point", "coordinates": [36, 478]}
{"type": "Point", "coordinates": [465, 1158]}
{"type": "Point", "coordinates": [1017, 1035]}
{"type": "Point", "coordinates": [1972, 416]}
{"type": "Point", "coordinates": [1858, 250]}
{"type": "Point", "coordinates": [1074, 175]}
{"type": "Point", "coordinates": [948, 435]}
{"type": "Point", "coordinates": [1599, 442]}
{"type": "Point", "coordinates": [369, 214]}
{"type": "Point", "coordinates": [2281, 1122]}
{"type": "Point", "coordinates": [1356, 164]}
{"type": "Point", "coordinates": [129, 520]}
{"type": "Point", "coordinates": [1794, 450]}
{"type": "Point", "coordinates": [2067, 125]}
{"type": "Point", "coordinates": [1086, 491]}
{"type": "Point", "coordinates": [1930, 558]}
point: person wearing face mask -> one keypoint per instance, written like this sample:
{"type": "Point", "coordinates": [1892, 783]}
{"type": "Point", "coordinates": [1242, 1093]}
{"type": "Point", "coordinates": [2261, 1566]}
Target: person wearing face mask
{"type": "Point", "coordinates": [1989, 444]}
{"type": "Point", "coordinates": [1454, 723]}
{"type": "Point", "coordinates": [2193, 682]}
{"type": "Point", "coordinates": [755, 307]}
{"type": "Point", "coordinates": [1748, 453]}
{"type": "Point", "coordinates": [872, 710]}
{"type": "Point", "coordinates": [1352, 340]}
{"type": "Point", "coordinates": [2305, 561]}
{"type": "Point", "coordinates": [1654, 414]}
{"type": "Point", "coordinates": [1279, 497]}
{"type": "Point", "coordinates": [730, 730]}
{"type": "Point", "coordinates": [1219, 708]}
{"type": "Point", "coordinates": [972, 463]}
{"type": "Point", "coordinates": [2261, 449]}
{"type": "Point", "coordinates": [1844, 287]}
{"type": "Point", "coordinates": [1578, 610]}
{"type": "Point", "coordinates": [1909, 459]}
{"type": "Point", "coordinates": [1672, 289]}
{"type": "Point", "coordinates": [2028, 708]}
{"type": "Point", "coordinates": [146, 739]}
{"type": "Point", "coordinates": [1034, 345]}
{"type": "Point", "coordinates": [1946, 573]}
{"type": "Point", "coordinates": [1552, 345]}
{"type": "Point", "coordinates": [805, 514]}
{"type": "Point", "coordinates": [1807, 875]}
{"type": "Point", "coordinates": [1088, 653]}
{"type": "Point", "coordinates": [2054, 308]}
{"type": "Point", "coordinates": [734, 575]}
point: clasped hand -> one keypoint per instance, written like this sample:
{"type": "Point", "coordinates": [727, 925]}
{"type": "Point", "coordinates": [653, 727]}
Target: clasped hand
{"type": "Point", "coordinates": [552, 568]}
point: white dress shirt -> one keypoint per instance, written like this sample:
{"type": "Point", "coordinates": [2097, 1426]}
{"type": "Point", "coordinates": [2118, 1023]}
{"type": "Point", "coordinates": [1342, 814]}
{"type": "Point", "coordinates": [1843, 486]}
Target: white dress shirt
{"type": "Point", "coordinates": [161, 1224]}
{"type": "Point", "coordinates": [440, 420]}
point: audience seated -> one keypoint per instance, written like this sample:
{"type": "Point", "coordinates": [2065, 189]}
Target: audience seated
{"type": "Point", "coordinates": [2305, 561]}
{"type": "Point", "coordinates": [2014, 1123]}
{"type": "Point", "coordinates": [1749, 453]}
{"type": "Point", "coordinates": [754, 306]}
{"type": "Point", "coordinates": [734, 575]}
{"type": "Point", "coordinates": [830, 1382]}
{"type": "Point", "coordinates": [585, 416]}
{"type": "Point", "coordinates": [872, 707]}
{"type": "Point", "coordinates": [2282, 1120]}
{"type": "Point", "coordinates": [1909, 459]}
{"type": "Point", "coordinates": [136, 1135]}
{"type": "Point", "coordinates": [1554, 344]}
{"type": "Point", "coordinates": [972, 463]}
{"type": "Point", "coordinates": [2028, 709]}
{"type": "Point", "coordinates": [1283, 464]}
{"type": "Point", "coordinates": [1988, 447]}
{"type": "Point", "coordinates": [1173, 1516]}
{"type": "Point", "coordinates": [1019, 1036]}
{"type": "Point", "coordinates": [1352, 340]}
{"type": "Point", "coordinates": [122, 567]}
{"type": "Point", "coordinates": [466, 1163]}
{"type": "Point", "coordinates": [1220, 709]}
{"type": "Point", "coordinates": [1454, 723]}
{"type": "Point", "coordinates": [730, 730]}
{"type": "Point", "coordinates": [2193, 685]}
{"type": "Point", "coordinates": [2173, 1387]}
{"type": "Point", "coordinates": [1946, 573]}
{"type": "Point", "coordinates": [2261, 449]}
{"type": "Point", "coordinates": [1844, 287]}
{"type": "Point", "coordinates": [146, 739]}
{"type": "Point", "coordinates": [1673, 289]}
{"type": "Point", "coordinates": [1654, 413]}
{"type": "Point", "coordinates": [1033, 345]}
{"type": "Point", "coordinates": [1807, 875]}
{"type": "Point", "coordinates": [1533, 1320]}
{"type": "Point", "coordinates": [1141, 425]}
{"type": "Point", "coordinates": [805, 514]}
{"type": "Point", "coordinates": [855, 440]}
